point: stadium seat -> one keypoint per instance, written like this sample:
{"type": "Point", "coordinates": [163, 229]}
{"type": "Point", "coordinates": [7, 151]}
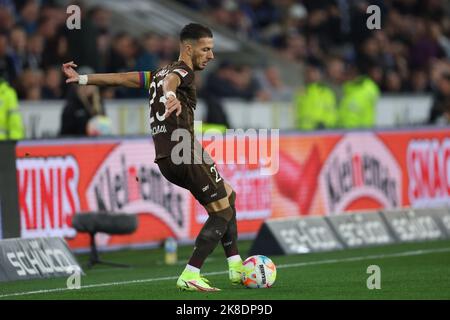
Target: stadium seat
{"type": "Point", "coordinates": [106, 222]}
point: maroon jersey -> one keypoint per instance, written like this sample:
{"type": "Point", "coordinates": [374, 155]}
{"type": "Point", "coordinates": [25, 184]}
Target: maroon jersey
{"type": "Point", "coordinates": [161, 127]}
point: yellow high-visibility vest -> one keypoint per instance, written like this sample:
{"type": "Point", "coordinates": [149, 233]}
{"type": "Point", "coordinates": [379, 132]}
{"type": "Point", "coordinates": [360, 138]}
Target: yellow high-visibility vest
{"type": "Point", "coordinates": [358, 105]}
{"type": "Point", "coordinates": [11, 124]}
{"type": "Point", "coordinates": [316, 107]}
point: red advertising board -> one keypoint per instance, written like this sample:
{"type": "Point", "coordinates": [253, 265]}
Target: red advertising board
{"type": "Point", "coordinates": [318, 174]}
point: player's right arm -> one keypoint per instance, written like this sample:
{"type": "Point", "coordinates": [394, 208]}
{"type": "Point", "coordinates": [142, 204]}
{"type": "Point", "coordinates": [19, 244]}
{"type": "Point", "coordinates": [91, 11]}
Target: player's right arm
{"type": "Point", "coordinates": [136, 79]}
{"type": "Point", "coordinates": [170, 85]}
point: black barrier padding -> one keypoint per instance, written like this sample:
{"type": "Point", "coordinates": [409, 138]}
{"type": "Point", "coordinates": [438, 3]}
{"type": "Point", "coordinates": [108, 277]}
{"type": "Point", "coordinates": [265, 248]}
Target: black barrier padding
{"type": "Point", "coordinates": [266, 243]}
{"type": "Point", "coordinates": [8, 191]}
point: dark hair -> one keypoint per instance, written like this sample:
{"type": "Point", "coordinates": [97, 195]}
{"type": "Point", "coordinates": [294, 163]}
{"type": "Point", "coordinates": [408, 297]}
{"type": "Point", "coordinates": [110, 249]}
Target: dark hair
{"type": "Point", "coordinates": [195, 31]}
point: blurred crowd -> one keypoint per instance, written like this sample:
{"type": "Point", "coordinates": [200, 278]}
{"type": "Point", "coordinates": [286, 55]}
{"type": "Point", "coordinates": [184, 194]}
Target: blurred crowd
{"type": "Point", "coordinates": [410, 52]}
{"type": "Point", "coordinates": [34, 42]}
{"type": "Point", "coordinates": [399, 57]}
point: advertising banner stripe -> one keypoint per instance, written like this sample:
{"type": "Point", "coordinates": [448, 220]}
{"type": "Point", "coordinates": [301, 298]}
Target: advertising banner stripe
{"type": "Point", "coordinates": [320, 173]}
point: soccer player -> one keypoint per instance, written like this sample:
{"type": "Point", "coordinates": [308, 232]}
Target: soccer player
{"type": "Point", "coordinates": [172, 102]}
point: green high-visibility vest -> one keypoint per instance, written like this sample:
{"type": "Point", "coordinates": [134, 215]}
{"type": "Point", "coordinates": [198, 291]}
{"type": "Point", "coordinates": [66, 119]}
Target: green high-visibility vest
{"type": "Point", "coordinates": [358, 104]}
{"type": "Point", "coordinates": [11, 125]}
{"type": "Point", "coordinates": [316, 107]}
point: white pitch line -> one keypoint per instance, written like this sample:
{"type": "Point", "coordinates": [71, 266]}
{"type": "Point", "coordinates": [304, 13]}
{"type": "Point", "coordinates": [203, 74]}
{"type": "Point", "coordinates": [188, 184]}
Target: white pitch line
{"type": "Point", "coordinates": [281, 266]}
{"type": "Point", "coordinates": [360, 258]}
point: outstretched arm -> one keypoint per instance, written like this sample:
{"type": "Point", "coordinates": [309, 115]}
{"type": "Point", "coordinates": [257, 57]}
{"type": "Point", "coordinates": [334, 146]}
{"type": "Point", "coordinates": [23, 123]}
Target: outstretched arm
{"type": "Point", "coordinates": [125, 79]}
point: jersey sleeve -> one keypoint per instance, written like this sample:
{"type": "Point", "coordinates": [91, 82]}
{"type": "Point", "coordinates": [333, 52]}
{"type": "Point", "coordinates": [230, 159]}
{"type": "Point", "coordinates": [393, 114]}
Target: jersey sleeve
{"type": "Point", "coordinates": [186, 76]}
{"type": "Point", "coordinates": [144, 79]}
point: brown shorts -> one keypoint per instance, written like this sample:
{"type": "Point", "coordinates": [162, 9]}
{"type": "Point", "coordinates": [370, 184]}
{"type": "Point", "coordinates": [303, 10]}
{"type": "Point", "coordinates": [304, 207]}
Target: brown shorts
{"type": "Point", "coordinates": [203, 180]}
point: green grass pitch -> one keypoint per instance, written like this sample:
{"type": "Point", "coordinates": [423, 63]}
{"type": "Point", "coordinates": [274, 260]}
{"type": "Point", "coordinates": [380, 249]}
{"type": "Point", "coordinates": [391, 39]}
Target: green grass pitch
{"type": "Point", "coordinates": [408, 271]}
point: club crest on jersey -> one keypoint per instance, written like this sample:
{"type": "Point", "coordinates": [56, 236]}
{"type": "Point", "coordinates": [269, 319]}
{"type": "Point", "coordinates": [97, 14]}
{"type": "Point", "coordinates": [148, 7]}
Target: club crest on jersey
{"type": "Point", "coordinates": [181, 72]}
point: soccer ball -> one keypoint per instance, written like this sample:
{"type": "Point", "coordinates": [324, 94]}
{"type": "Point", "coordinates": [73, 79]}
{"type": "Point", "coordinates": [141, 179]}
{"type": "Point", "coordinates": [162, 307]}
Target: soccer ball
{"type": "Point", "coordinates": [99, 126]}
{"type": "Point", "coordinates": [259, 272]}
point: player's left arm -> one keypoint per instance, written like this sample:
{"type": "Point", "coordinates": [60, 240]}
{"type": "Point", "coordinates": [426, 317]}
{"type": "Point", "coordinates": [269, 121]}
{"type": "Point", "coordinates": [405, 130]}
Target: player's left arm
{"type": "Point", "coordinates": [170, 85]}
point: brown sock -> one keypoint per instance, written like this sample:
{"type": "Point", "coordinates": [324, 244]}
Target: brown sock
{"type": "Point", "coordinates": [209, 236]}
{"type": "Point", "coordinates": [229, 239]}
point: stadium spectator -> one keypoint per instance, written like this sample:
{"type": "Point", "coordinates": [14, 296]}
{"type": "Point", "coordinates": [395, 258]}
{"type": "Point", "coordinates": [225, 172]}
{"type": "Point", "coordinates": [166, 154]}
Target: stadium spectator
{"type": "Point", "coordinates": [419, 81]}
{"type": "Point", "coordinates": [83, 103]}
{"type": "Point", "coordinates": [123, 59]}
{"type": "Point", "coordinates": [441, 75]}
{"type": "Point", "coordinates": [443, 40]}
{"type": "Point", "coordinates": [218, 85]}
{"type": "Point", "coordinates": [239, 23]}
{"type": "Point", "coordinates": [316, 105]}
{"type": "Point", "coordinates": [262, 14]}
{"type": "Point", "coordinates": [82, 43]}
{"type": "Point", "coordinates": [376, 73]}
{"type": "Point", "coordinates": [246, 83]}
{"type": "Point", "coordinates": [56, 46]}
{"type": "Point", "coordinates": [6, 60]}
{"type": "Point", "coordinates": [30, 83]}
{"type": "Point", "coordinates": [270, 82]}
{"type": "Point", "coordinates": [104, 41]}
{"type": "Point", "coordinates": [123, 53]}
{"type": "Point", "coordinates": [357, 105]}
{"type": "Point", "coordinates": [19, 48]}
{"type": "Point", "coordinates": [52, 88]}
{"type": "Point", "coordinates": [393, 83]}
{"type": "Point", "coordinates": [233, 81]}
{"type": "Point", "coordinates": [35, 49]}
{"type": "Point", "coordinates": [101, 18]}
{"type": "Point", "coordinates": [294, 47]}
{"type": "Point", "coordinates": [358, 19]}
{"type": "Point", "coordinates": [51, 10]}
{"type": "Point", "coordinates": [7, 20]}
{"type": "Point", "coordinates": [29, 16]}
{"type": "Point", "coordinates": [168, 50]}
{"type": "Point", "coordinates": [11, 124]}
{"type": "Point", "coordinates": [425, 45]}
{"type": "Point", "coordinates": [444, 118]}
{"type": "Point", "coordinates": [335, 74]}
{"type": "Point", "coordinates": [148, 56]}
